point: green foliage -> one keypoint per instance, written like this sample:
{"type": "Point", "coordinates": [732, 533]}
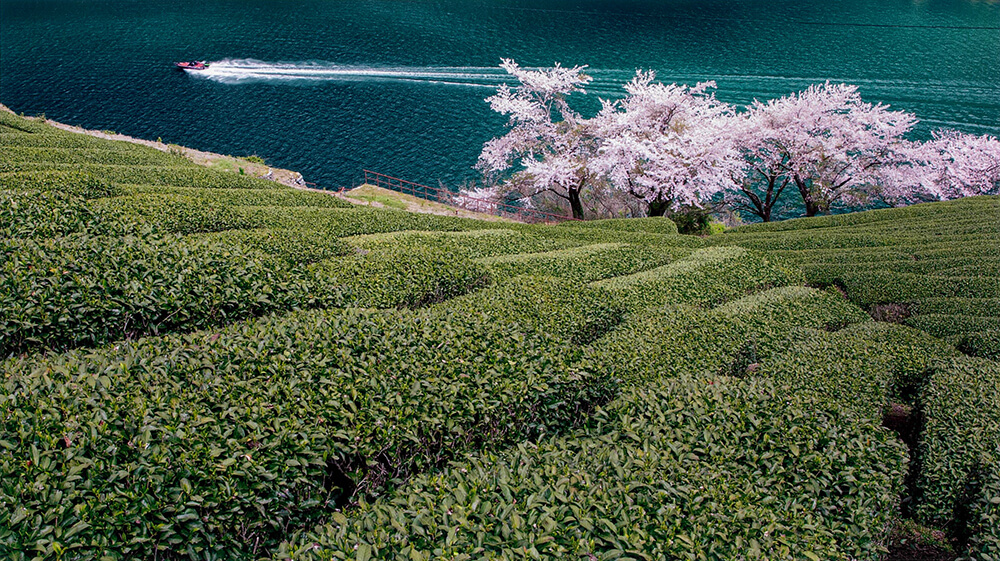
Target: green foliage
{"type": "Point", "coordinates": [945, 325]}
{"type": "Point", "coordinates": [296, 247]}
{"type": "Point", "coordinates": [139, 156]}
{"type": "Point", "coordinates": [180, 176]}
{"type": "Point", "coordinates": [43, 214]}
{"type": "Point", "coordinates": [678, 341]}
{"type": "Point", "coordinates": [584, 264]}
{"type": "Point", "coordinates": [250, 196]}
{"type": "Point", "coordinates": [475, 244]}
{"type": "Point", "coordinates": [17, 123]}
{"type": "Point", "coordinates": [960, 449]}
{"type": "Point", "coordinates": [400, 277]}
{"type": "Point", "coordinates": [344, 222]}
{"type": "Point", "coordinates": [218, 444]}
{"type": "Point", "coordinates": [985, 344]}
{"type": "Point", "coordinates": [707, 277]}
{"type": "Point", "coordinates": [693, 221]}
{"type": "Point", "coordinates": [88, 290]}
{"type": "Point", "coordinates": [576, 313]}
{"type": "Point", "coordinates": [82, 184]}
{"type": "Point", "coordinates": [693, 468]}
{"type": "Point", "coordinates": [855, 369]}
{"type": "Point", "coordinates": [175, 213]}
{"type": "Point", "coordinates": [983, 529]}
{"type": "Point", "coordinates": [657, 225]}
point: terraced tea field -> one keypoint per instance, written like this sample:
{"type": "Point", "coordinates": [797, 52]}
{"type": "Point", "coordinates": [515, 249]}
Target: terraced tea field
{"type": "Point", "coordinates": [202, 365]}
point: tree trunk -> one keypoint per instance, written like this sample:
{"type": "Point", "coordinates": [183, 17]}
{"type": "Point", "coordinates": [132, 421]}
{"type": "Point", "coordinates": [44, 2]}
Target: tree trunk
{"type": "Point", "coordinates": [812, 207]}
{"type": "Point", "coordinates": [575, 203]}
{"type": "Point", "coordinates": [658, 208]}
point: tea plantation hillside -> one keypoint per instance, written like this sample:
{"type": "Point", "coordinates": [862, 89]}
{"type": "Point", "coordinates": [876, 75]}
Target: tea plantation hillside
{"type": "Point", "coordinates": [202, 365]}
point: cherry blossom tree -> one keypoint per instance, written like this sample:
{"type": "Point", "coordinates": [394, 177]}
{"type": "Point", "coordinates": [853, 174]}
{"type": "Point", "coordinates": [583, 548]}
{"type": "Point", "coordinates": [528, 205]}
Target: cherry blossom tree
{"type": "Point", "coordinates": [549, 145]}
{"type": "Point", "coordinates": [664, 144]}
{"type": "Point", "coordinates": [961, 165]}
{"type": "Point", "coordinates": [827, 142]}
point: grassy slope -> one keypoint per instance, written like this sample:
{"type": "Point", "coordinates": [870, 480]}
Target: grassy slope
{"type": "Point", "coordinates": [318, 379]}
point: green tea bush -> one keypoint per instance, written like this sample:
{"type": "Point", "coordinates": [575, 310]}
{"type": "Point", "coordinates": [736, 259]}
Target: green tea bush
{"type": "Point", "coordinates": [77, 183]}
{"type": "Point", "coordinates": [859, 368]}
{"type": "Point", "coordinates": [959, 306]}
{"type": "Point", "coordinates": [944, 325]}
{"type": "Point", "coordinates": [959, 446]}
{"type": "Point", "coordinates": [475, 244]}
{"type": "Point", "coordinates": [591, 236]}
{"type": "Point", "coordinates": [43, 214]}
{"type": "Point", "coordinates": [176, 214]}
{"type": "Point", "coordinates": [179, 176]}
{"type": "Point", "coordinates": [345, 222]}
{"type": "Point", "coordinates": [676, 341]}
{"type": "Point", "coordinates": [985, 344]}
{"type": "Point", "coordinates": [141, 156]}
{"type": "Point", "coordinates": [707, 277]}
{"type": "Point", "coordinates": [400, 277]}
{"type": "Point", "coordinates": [690, 468]}
{"type": "Point", "coordinates": [983, 530]}
{"type": "Point", "coordinates": [218, 444]}
{"type": "Point", "coordinates": [250, 196]}
{"type": "Point", "coordinates": [796, 305]}
{"type": "Point", "coordinates": [658, 225]}
{"type": "Point", "coordinates": [50, 140]}
{"type": "Point", "coordinates": [17, 123]}
{"type": "Point", "coordinates": [576, 313]}
{"type": "Point", "coordinates": [868, 288]}
{"type": "Point", "coordinates": [89, 290]}
{"type": "Point", "coordinates": [584, 264]}
{"type": "Point", "coordinates": [296, 247]}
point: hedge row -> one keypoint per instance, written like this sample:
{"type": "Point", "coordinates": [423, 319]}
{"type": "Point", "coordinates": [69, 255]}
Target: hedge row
{"type": "Point", "coordinates": [217, 445]}
{"type": "Point", "coordinates": [43, 214]}
{"type": "Point", "coordinates": [590, 236]}
{"type": "Point", "coordinates": [356, 221]}
{"type": "Point", "coordinates": [189, 215]}
{"type": "Point", "coordinates": [959, 451]}
{"type": "Point", "coordinates": [53, 138]}
{"type": "Point", "coordinates": [475, 244]}
{"type": "Point", "coordinates": [296, 247]}
{"type": "Point", "coordinates": [691, 468]}
{"type": "Point", "coordinates": [869, 288]}
{"type": "Point", "coordinates": [18, 123]}
{"type": "Point", "coordinates": [985, 344]}
{"type": "Point", "coordinates": [947, 325]}
{"type": "Point", "coordinates": [88, 290]}
{"type": "Point", "coordinates": [857, 369]}
{"type": "Point", "coordinates": [584, 264]}
{"type": "Point", "coordinates": [571, 312]}
{"type": "Point", "coordinates": [707, 277]}
{"type": "Point", "coordinates": [399, 277]}
{"type": "Point", "coordinates": [78, 183]}
{"type": "Point", "coordinates": [657, 225]}
{"type": "Point", "coordinates": [138, 157]}
{"type": "Point", "coordinates": [249, 196]}
{"type": "Point", "coordinates": [195, 176]}
{"type": "Point", "coordinates": [678, 341]}
{"type": "Point", "coordinates": [968, 206]}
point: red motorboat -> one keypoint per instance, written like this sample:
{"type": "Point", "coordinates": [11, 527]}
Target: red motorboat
{"type": "Point", "coordinates": [192, 65]}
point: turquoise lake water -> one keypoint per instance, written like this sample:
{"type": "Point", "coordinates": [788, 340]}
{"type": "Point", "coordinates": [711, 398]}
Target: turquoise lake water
{"type": "Point", "coordinates": [329, 87]}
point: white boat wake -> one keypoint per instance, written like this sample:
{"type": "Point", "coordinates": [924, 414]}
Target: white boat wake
{"type": "Point", "coordinates": [234, 71]}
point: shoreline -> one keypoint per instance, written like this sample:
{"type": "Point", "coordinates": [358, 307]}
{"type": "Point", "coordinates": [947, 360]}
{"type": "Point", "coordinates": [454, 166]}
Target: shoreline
{"type": "Point", "coordinates": [373, 196]}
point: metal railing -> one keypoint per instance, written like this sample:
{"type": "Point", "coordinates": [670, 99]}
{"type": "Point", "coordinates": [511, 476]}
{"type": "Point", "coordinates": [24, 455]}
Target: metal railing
{"type": "Point", "coordinates": [447, 197]}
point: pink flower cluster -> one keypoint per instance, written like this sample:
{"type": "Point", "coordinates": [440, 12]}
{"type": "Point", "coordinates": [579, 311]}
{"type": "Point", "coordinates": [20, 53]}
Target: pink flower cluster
{"type": "Point", "coordinates": [673, 145]}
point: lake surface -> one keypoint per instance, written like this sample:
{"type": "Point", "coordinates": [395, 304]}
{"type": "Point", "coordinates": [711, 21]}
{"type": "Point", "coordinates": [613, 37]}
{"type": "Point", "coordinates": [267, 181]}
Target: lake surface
{"type": "Point", "coordinates": [329, 87]}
